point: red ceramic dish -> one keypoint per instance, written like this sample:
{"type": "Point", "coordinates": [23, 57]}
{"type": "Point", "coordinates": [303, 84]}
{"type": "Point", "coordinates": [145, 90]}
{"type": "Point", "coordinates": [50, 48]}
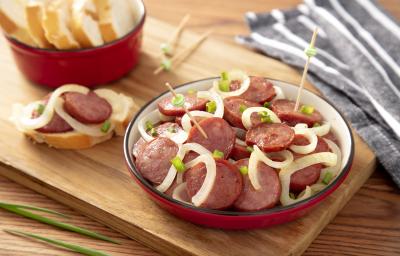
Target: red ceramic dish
{"type": "Point", "coordinates": [89, 67]}
{"type": "Point", "coordinates": [245, 220]}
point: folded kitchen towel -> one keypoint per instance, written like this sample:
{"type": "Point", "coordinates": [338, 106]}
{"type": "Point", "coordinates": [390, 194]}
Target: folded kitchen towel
{"type": "Point", "coordinates": [357, 65]}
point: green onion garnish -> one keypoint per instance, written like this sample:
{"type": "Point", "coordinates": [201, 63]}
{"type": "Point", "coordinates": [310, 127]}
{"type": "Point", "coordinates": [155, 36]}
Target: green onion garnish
{"type": "Point", "coordinates": [166, 64]}
{"type": "Point", "coordinates": [59, 243]}
{"type": "Point", "coordinates": [218, 154]}
{"type": "Point", "coordinates": [171, 129]}
{"type": "Point", "coordinates": [153, 132]}
{"type": "Point", "coordinates": [224, 85]}
{"type": "Point", "coordinates": [106, 126]}
{"type": "Point", "coordinates": [317, 125]}
{"type": "Point", "coordinates": [40, 109]}
{"type": "Point", "coordinates": [327, 178]}
{"type": "Point", "coordinates": [242, 108]}
{"type": "Point", "coordinates": [224, 76]}
{"type": "Point", "coordinates": [310, 51]}
{"type": "Point", "coordinates": [165, 48]}
{"type": "Point", "coordinates": [307, 109]}
{"type": "Point", "coordinates": [249, 149]}
{"type": "Point", "coordinates": [27, 214]}
{"type": "Point", "coordinates": [292, 195]}
{"type": "Point", "coordinates": [244, 170]}
{"type": "Point", "coordinates": [267, 104]}
{"type": "Point", "coordinates": [178, 100]}
{"type": "Point", "coordinates": [149, 126]}
{"type": "Point", "coordinates": [29, 207]}
{"type": "Point", "coordinates": [211, 106]}
{"type": "Point", "coordinates": [178, 164]}
{"type": "Point", "coordinates": [191, 91]}
{"type": "Point", "coordinates": [265, 118]}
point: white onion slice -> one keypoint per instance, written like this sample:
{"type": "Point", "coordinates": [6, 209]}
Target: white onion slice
{"type": "Point", "coordinates": [92, 130]}
{"type": "Point", "coordinates": [120, 103]}
{"type": "Point", "coordinates": [322, 130]}
{"type": "Point", "coordinates": [240, 142]}
{"type": "Point", "coordinates": [253, 171]}
{"type": "Point", "coordinates": [327, 158]}
{"type": "Point", "coordinates": [234, 75]}
{"type": "Point", "coordinates": [309, 135]}
{"type": "Point", "coordinates": [186, 122]}
{"type": "Point", "coordinates": [286, 154]}
{"type": "Point", "coordinates": [20, 112]}
{"type": "Point", "coordinates": [209, 180]}
{"type": "Point", "coordinates": [31, 124]}
{"type": "Point", "coordinates": [213, 96]}
{"type": "Point", "coordinates": [332, 169]}
{"type": "Point", "coordinates": [315, 188]}
{"type": "Point", "coordinates": [178, 191]}
{"type": "Point", "coordinates": [246, 116]}
{"type": "Point", "coordinates": [165, 118]}
{"type": "Point", "coordinates": [279, 93]}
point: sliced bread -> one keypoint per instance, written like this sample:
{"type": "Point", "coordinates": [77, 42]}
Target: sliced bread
{"type": "Point", "coordinates": [34, 12]}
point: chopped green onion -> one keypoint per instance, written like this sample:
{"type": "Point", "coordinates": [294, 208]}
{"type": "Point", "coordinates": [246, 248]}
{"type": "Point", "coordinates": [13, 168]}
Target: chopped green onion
{"type": "Point", "coordinates": [211, 106]}
{"type": "Point", "coordinates": [165, 48]}
{"type": "Point", "coordinates": [106, 126]}
{"type": "Point", "coordinates": [224, 85]}
{"type": "Point", "coordinates": [310, 51]}
{"type": "Point", "coordinates": [178, 100]}
{"type": "Point", "coordinates": [72, 247]}
{"type": "Point", "coordinates": [171, 129]}
{"type": "Point", "coordinates": [27, 214]}
{"type": "Point", "coordinates": [191, 91]}
{"type": "Point", "coordinates": [244, 170]}
{"type": "Point", "coordinates": [317, 125]}
{"type": "Point", "coordinates": [224, 76]}
{"type": "Point", "coordinates": [178, 164]}
{"type": "Point", "coordinates": [265, 118]}
{"type": "Point", "coordinates": [292, 195]}
{"type": "Point", "coordinates": [242, 108]}
{"type": "Point", "coordinates": [307, 109]}
{"type": "Point", "coordinates": [40, 109]}
{"type": "Point", "coordinates": [166, 64]}
{"type": "Point", "coordinates": [218, 154]}
{"type": "Point", "coordinates": [149, 126]}
{"type": "Point", "coordinates": [327, 178]}
{"type": "Point", "coordinates": [153, 132]}
{"type": "Point", "coordinates": [249, 149]}
{"type": "Point", "coordinates": [263, 113]}
{"type": "Point", "coordinates": [267, 104]}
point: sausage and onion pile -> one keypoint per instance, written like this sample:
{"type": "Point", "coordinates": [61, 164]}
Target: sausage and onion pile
{"type": "Point", "coordinates": [259, 153]}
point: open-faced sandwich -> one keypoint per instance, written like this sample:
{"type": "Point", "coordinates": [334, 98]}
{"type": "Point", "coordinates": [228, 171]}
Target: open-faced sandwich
{"type": "Point", "coordinates": [73, 117]}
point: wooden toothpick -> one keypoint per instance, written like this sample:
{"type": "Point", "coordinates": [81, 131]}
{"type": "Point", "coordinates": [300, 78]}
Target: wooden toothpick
{"type": "Point", "coordinates": [303, 78]}
{"type": "Point", "coordinates": [187, 112]}
{"type": "Point", "coordinates": [181, 56]}
{"type": "Point", "coordinates": [172, 41]}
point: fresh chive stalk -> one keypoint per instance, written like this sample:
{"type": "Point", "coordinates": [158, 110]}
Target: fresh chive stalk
{"type": "Point", "coordinates": [34, 208]}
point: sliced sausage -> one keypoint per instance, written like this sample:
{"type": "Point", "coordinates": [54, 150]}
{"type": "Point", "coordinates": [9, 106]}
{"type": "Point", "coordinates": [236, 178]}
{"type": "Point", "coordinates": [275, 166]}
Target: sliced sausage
{"type": "Point", "coordinates": [153, 162]}
{"type": "Point", "coordinates": [220, 135]}
{"type": "Point", "coordinates": [226, 189]}
{"type": "Point", "coordinates": [285, 111]}
{"type": "Point", "coordinates": [264, 198]}
{"type": "Point", "coordinates": [138, 147]}
{"type": "Point", "coordinates": [233, 114]}
{"type": "Point", "coordinates": [87, 108]}
{"type": "Point", "coordinates": [270, 137]}
{"type": "Point", "coordinates": [309, 175]}
{"type": "Point", "coordinates": [260, 90]}
{"type": "Point", "coordinates": [239, 152]}
{"type": "Point", "coordinates": [166, 107]}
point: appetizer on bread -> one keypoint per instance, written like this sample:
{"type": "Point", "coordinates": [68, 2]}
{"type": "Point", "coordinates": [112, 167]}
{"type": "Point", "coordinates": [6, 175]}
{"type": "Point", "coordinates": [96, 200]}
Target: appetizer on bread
{"type": "Point", "coordinates": [73, 117]}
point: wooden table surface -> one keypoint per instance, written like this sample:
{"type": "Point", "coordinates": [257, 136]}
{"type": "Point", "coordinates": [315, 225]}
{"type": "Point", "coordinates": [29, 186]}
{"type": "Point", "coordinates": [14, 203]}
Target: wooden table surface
{"type": "Point", "coordinates": [368, 225]}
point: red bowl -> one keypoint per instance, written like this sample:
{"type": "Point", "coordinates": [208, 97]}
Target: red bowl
{"type": "Point", "coordinates": [244, 220]}
{"type": "Point", "coordinates": [89, 67]}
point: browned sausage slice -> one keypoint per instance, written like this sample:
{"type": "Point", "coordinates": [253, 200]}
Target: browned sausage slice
{"type": "Point", "coordinates": [239, 152]}
{"type": "Point", "coordinates": [285, 111]}
{"type": "Point", "coordinates": [226, 189]}
{"type": "Point", "coordinates": [166, 107]}
{"type": "Point", "coordinates": [87, 108]}
{"type": "Point", "coordinates": [264, 198]}
{"type": "Point", "coordinates": [309, 175]}
{"type": "Point", "coordinates": [260, 90]}
{"type": "Point", "coordinates": [270, 137]}
{"type": "Point", "coordinates": [220, 135]}
{"type": "Point", "coordinates": [153, 162]}
{"type": "Point", "coordinates": [232, 112]}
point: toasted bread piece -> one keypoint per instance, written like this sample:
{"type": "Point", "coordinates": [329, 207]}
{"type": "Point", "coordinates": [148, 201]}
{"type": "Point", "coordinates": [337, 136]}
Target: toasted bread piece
{"type": "Point", "coordinates": [116, 18]}
{"type": "Point", "coordinates": [34, 12]}
{"type": "Point", "coordinates": [13, 21]}
{"type": "Point", "coordinates": [57, 25]}
{"type": "Point", "coordinates": [84, 26]}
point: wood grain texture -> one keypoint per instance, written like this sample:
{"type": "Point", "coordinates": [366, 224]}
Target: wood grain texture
{"type": "Point", "coordinates": [352, 232]}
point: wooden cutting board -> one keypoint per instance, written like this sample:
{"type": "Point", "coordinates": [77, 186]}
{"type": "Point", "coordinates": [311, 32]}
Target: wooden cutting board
{"type": "Point", "coordinates": [96, 182]}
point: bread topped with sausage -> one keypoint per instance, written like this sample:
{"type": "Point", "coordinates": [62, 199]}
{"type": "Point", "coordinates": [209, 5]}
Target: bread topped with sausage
{"type": "Point", "coordinates": [73, 117]}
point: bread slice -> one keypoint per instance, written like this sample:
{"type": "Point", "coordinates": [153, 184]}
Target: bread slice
{"type": "Point", "coordinates": [13, 21]}
{"type": "Point", "coordinates": [57, 25]}
{"type": "Point", "coordinates": [84, 26]}
{"type": "Point", "coordinates": [116, 18]}
{"type": "Point", "coordinates": [34, 12]}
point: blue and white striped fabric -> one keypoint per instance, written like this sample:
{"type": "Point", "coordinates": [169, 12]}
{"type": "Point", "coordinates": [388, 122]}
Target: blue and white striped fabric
{"type": "Point", "coordinates": [357, 65]}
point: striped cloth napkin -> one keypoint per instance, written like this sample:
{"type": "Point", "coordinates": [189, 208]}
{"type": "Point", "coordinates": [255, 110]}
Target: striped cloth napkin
{"type": "Point", "coordinates": [357, 65]}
